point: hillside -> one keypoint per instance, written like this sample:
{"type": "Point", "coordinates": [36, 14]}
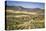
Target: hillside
{"type": "Point", "coordinates": [18, 17]}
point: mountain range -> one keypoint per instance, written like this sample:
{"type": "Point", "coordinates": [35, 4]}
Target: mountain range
{"type": "Point", "coordinates": [20, 8]}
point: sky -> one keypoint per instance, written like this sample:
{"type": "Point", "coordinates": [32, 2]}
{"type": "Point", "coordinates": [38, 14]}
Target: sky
{"type": "Point", "coordinates": [28, 0]}
{"type": "Point", "coordinates": [26, 4]}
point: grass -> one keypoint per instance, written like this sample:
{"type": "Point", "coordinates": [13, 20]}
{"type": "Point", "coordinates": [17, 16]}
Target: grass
{"type": "Point", "coordinates": [24, 22]}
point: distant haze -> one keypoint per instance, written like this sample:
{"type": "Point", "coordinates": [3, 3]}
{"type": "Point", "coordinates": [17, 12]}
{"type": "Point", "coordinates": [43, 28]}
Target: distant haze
{"type": "Point", "coordinates": [26, 4]}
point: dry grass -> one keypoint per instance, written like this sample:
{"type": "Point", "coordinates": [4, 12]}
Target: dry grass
{"type": "Point", "coordinates": [24, 20]}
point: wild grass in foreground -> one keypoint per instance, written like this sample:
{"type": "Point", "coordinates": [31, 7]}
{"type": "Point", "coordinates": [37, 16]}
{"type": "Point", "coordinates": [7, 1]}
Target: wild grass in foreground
{"type": "Point", "coordinates": [16, 21]}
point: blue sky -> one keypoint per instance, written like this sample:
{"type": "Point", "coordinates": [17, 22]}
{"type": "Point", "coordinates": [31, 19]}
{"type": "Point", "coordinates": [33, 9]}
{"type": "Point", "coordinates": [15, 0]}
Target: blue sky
{"type": "Point", "coordinates": [28, 0]}
{"type": "Point", "coordinates": [25, 4]}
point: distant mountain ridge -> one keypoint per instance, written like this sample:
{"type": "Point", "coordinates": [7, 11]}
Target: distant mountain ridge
{"type": "Point", "coordinates": [22, 8]}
